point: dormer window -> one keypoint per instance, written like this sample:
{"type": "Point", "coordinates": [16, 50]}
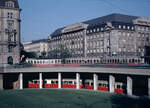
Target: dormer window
{"type": "Point", "coordinates": [9, 4]}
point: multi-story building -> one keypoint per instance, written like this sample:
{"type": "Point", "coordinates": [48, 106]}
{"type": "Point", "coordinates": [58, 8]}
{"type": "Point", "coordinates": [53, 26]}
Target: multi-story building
{"type": "Point", "coordinates": [114, 35]}
{"type": "Point", "coordinates": [9, 32]}
{"type": "Point", "coordinates": [37, 46]}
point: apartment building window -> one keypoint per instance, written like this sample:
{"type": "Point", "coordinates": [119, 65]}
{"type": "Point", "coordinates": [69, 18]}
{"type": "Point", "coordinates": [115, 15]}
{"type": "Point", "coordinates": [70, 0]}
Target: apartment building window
{"type": "Point", "coordinates": [119, 26]}
{"type": "Point", "coordinates": [94, 30]}
{"type": "Point", "coordinates": [97, 43]}
{"type": "Point", "coordinates": [132, 28]}
{"type": "Point", "coordinates": [124, 27]}
{"type": "Point", "coordinates": [147, 39]}
{"type": "Point", "coordinates": [90, 31]}
{"type": "Point", "coordinates": [10, 48]}
{"type": "Point", "coordinates": [10, 15]}
{"type": "Point", "coordinates": [10, 24]}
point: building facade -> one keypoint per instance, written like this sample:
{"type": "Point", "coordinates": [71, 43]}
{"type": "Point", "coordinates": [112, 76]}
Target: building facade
{"type": "Point", "coordinates": [111, 36]}
{"type": "Point", "coordinates": [9, 32]}
{"type": "Point", "coordinates": [37, 46]}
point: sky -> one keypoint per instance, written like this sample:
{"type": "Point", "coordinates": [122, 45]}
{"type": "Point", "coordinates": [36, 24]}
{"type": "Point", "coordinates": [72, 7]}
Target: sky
{"type": "Point", "coordinates": [40, 18]}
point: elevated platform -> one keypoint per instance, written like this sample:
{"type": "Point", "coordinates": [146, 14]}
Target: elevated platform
{"type": "Point", "coordinates": [129, 70]}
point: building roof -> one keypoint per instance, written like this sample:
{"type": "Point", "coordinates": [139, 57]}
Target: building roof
{"type": "Point", "coordinates": [36, 41]}
{"type": "Point", "coordinates": [115, 17]}
{"type": "Point", "coordinates": [2, 3]}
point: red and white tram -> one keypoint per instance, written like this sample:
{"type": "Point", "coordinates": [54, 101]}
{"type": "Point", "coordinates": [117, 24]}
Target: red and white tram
{"type": "Point", "coordinates": [53, 83]}
{"type": "Point", "coordinates": [89, 84]}
{"type": "Point", "coordinates": [34, 84]}
{"type": "Point", "coordinates": [103, 86]}
{"type": "Point", "coordinates": [70, 83]}
{"type": "Point", "coordinates": [119, 87]}
{"type": "Point", "coordinates": [83, 61]}
{"type": "Point", "coordinates": [44, 62]}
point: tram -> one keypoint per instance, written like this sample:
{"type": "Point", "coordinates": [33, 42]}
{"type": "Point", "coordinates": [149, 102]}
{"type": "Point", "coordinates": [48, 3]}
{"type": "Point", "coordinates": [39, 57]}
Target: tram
{"type": "Point", "coordinates": [84, 61]}
{"type": "Point", "coordinates": [53, 83]}
{"type": "Point", "coordinates": [103, 86]}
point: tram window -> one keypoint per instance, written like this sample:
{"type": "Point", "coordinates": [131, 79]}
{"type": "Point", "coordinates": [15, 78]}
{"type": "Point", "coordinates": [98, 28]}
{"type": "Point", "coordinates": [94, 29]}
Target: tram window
{"type": "Point", "coordinates": [132, 60]}
{"type": "Point", "coordinates": [117, 60]}
{"type": "Point", "coordinates": [52, 82]}
{"type": "Point", "coordinates": [65, 82]}
{"type": "Point", "coordinates": [90, 61]}
{"type": "Point", "coordinates": [79, 61]}
{"type": "Point", "coordinates": [70, 82]}
{"type": "Point", "coordinates": [76, 61]}
{"type": "Point", "coordinates": [35, 82]}
{"type": "Point", "coordinates": [45, 82]}
{"type": "Point", "coordinates": [56, 82]}
{"type": "Point", "coordinates": [118, 86]}
{"type": "Point", "coordinates": [87, 83]}
{"type": "Point", "coordinates": [83, 61]}
{"type": "Point", "coordinates": [55, 61]}
{"type": "Point", "coordinates": [99, 84]}
{"type": "Point", "coordinates": [87, 61]}
{"type": "Point", "coordinates": [80, 82]}
{"type": "Point", "coordinates": [104, 85]}
{"type": "Point", "coordinates": [97, 61]}
{"type": "Point", "coordinates": [74, 82]}
{"type": "Point", "coordinates": [123, 61]}
{"type": "Point", "coordinates": [91, 83]}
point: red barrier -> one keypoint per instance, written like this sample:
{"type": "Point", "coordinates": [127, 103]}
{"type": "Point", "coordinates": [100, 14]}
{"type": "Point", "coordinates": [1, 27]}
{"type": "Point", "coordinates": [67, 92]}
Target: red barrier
{"type": "Point", "coordinates": [103, 88]}
{"type": "Point", "coordinates": [89, 87]}
{"type": "Point", "coordinates": [33, 85]}
{"type": "Point", "coordinates": [51, 85]}
{"type": "Point", "coordinates": [119, 91]}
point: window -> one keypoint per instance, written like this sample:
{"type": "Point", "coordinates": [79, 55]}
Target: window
{"type": "Point", "coordinates": [124, 27]}
{"type": "Point", "coordinates": [90, 31]}
{"type": "Point", "coordinates": [10, 24]}
{"type": "Point", "coordinates": [9, 4]}
{"type": "Point", "coordinates": [10, 15]}
{"type": "Point", "coordinates": [10, 48]}
{"type": "Point", "coordinates": [119, 26]}
{"type": "Point", "coordinates": [94, 30]}
{"type": "Point", "coordinates": [147, 39]}
{"type": "Point", "coordinates": [10, 60]}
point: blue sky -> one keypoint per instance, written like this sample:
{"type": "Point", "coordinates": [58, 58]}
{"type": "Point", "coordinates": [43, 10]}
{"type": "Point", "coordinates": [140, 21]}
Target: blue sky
{"type": "Point", "coordinates": [42, 17]}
